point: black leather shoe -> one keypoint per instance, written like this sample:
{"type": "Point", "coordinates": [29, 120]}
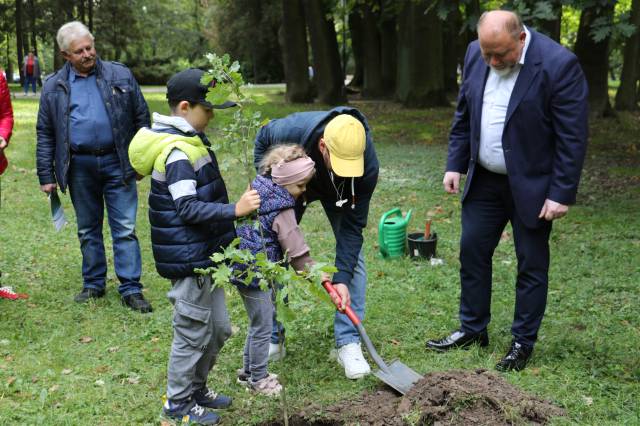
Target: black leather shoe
{"type": "Point", "coordinates": [88, 293]}
{"type": "Point", "coordinates": [516, 358]}
{"type": "Point", "coordinates": [137, 302]}
{"type": "Point", "coordinates": [459, 339]}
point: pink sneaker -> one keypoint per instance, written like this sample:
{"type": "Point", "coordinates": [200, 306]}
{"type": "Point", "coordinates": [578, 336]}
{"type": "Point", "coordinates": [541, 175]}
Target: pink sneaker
{"type": "Point", "coordinates": [269, 386]}
{"type": "Point", "coordinates": [8, 293]}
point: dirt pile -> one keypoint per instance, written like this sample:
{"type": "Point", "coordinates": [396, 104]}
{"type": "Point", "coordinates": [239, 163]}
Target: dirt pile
{"type": "Point", "coordinates": [453, 397]}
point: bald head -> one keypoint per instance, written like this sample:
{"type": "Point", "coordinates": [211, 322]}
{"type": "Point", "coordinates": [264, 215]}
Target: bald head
{"type": "Point", "coordinates": [499, 21]}
{"type": "Point", "coordinates": [501, 36]}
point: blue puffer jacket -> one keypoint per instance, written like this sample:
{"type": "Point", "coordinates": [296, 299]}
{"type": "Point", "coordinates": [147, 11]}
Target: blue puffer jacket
{"type": "Point", "coordinates": [184, 232]}
{"type": "Point", "coordinates": [274, 199]}
{"type": "Point", "coordinates": [306, 129]}
{"type": "Point", "coordinates": [125, 106]}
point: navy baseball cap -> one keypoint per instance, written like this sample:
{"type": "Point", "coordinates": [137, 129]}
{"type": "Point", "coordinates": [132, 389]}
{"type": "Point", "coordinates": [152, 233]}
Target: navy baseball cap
{"type": "Point", "coordinates": [186, 86]}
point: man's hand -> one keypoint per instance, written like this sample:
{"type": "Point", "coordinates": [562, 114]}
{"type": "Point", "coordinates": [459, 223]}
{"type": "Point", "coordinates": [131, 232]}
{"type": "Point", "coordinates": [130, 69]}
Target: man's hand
{"type": "Point", "coordinates": [48, 187]}
{"type": "Point", "coordinates": [451, 182]}
{"type": "Point", "coordinates": [345, 297]}
{"type": "Point", "coordinates": [249, 202]}
{"type": "Point", "coordinates": [552, 210]}
{"type": "Point", "coordinates": [3, 144]}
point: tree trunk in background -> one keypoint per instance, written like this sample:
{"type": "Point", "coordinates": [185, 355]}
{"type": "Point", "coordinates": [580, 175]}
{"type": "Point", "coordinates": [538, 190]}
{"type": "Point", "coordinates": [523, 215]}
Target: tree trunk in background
{"type": "Point", "coordinates": [552, 27]}
{"type": "Point", "coordinates": [355, 29]}
{"type": "Point", "coordinates": [32, 26]}
{"type": "Point", "coordinates": [594, 58]}
{"type": "Point", "coordinates": [82, 12]}
{"type": "Point", "coordinates": [388, 45]}
{"type": "Point", "coordinates": [90, 15]}
{"type": "Point", "coordinates": [452, 45]}
{"type": "Point", "coordinates": [472, 12]}
{"type": "Point", "coordinates": [60, 18]}
{"type": "Point", "coordinates": [371, 58]}
{"type": "Point", "coordinates": [9, 67]}
{"type": "Point", "coordinates": [326, 56]}
{"type": "Point", "coordinates": [626, 95]}
{"type": "Point", "coordinates": [295, 52]}
{"type": "Point", "coordinates": [420, 76]}
{"type": "Point", "coordinates": [19, 42]}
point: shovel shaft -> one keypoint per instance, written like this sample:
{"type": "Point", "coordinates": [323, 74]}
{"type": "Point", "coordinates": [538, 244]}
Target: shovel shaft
{"type": "Point", "coordinates": [363, 333]}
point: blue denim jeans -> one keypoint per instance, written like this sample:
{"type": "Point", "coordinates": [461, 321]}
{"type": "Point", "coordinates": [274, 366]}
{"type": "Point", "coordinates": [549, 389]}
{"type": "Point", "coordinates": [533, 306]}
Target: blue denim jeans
{"type": "Point", "coordinates": [29, 80]}
{"type": "Point", "coordinates": [96, 181]}
{"type": "Point", "coordinates": [344, 330]}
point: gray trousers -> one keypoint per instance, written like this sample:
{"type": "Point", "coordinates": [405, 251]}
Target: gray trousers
{"type": "Point", "coordinates": [259, 308]}
{"type": "Point", "coordinates": [200, 328]}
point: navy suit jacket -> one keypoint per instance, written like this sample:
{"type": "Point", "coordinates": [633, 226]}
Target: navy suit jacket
{"type": "Point", "coordinates": [545, 131]}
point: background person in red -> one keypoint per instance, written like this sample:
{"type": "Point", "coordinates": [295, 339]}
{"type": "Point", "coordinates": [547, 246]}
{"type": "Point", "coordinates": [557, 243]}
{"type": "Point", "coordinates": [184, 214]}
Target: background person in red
{"type": "Point", "coordinates": [30, 71]}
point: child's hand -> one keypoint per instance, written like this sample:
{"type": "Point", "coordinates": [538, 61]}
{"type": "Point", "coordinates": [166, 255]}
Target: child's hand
{"type": "Point", "coordinates": [249, 202]}
{"type": "Point", "coordinates": [345, 298]}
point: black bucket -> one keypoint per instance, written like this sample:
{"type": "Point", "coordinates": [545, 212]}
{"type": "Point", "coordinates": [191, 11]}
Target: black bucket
{"type": "Point", "coordinates": [421, 247]}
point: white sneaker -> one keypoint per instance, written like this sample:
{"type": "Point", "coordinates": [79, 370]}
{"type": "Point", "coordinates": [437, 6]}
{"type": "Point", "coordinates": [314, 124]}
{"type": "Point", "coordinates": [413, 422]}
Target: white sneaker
{"type": "Point", "coordinates": [351, 358]}
{"type": "Point", "coordinates": [275, 354]}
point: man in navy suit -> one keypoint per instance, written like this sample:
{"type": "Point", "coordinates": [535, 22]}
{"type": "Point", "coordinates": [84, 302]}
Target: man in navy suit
{"type": "Point", "coordinates": [520, 134]}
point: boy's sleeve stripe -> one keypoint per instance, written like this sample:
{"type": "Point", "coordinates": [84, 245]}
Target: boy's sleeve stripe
{"type": "Point", "coordinates": [179, 170]}
{"type": "Point", "coordinates": [176, 155]}
{"type": "Point", "coordinates": [201, 162]}
{"type": "Point", "coordinates": [182, 188]}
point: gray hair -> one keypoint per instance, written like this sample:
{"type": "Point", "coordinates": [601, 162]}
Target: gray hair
{"type": "Point", "coordinates": [72, 31]}
{"type": "Point", "coordinates": [512, 26]}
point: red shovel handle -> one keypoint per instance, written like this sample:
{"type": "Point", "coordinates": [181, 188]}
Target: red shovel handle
{"type": "Point", "coordinates": [334, 295]}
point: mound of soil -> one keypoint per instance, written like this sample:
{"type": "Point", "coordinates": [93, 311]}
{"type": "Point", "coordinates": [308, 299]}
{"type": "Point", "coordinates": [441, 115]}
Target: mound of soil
{"type": "Point", "coordinates": [457, 397]}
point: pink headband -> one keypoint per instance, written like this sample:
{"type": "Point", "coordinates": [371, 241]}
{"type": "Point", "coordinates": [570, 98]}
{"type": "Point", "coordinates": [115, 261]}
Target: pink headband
{"type": "Point", "coordinates": [293, 171]}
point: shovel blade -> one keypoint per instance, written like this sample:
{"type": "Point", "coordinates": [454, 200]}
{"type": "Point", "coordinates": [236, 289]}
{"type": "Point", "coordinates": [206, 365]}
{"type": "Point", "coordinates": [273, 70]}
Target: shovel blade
{"type": "Point", "coordinates": [399, 376]}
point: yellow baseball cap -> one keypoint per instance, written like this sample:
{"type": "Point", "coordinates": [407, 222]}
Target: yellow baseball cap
{"type": "Point", "coordinates": [345, 137]}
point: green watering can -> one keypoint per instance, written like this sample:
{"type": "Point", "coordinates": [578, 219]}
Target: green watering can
{"type": "Point", "coordinates": [392, 233]}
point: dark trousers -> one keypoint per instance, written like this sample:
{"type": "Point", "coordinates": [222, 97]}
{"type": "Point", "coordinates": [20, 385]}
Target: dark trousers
{"type": "Point", "coordinates": [485, 212]}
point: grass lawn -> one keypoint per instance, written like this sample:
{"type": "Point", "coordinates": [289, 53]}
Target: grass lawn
{"type": "Point", "coordinates": [67, 364]}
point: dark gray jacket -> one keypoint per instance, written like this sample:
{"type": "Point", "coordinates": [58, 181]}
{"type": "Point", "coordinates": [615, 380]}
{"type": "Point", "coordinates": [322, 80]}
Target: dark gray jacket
{"type": "Point", "coordinates": [126, 108]}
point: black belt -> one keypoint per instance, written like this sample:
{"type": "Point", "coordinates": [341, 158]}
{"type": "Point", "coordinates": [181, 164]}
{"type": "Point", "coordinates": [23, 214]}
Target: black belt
{"type": "Point", "coordinates": [97, 152]}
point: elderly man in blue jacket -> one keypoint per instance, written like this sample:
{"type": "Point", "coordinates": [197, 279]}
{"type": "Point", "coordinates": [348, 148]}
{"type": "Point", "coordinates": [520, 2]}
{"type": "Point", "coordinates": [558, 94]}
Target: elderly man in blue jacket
{"type": "Point", "coordinates": [520, 135]}
{"type": "Point", "coordinates": [89, 111]}
{"type": "Point", "coordinates": [340, 143]}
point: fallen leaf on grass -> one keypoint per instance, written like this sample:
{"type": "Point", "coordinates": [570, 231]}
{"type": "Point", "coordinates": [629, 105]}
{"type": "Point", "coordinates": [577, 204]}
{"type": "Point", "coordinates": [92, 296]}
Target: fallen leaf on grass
{"type": "Point", "coordinates": [86, 339]}
{"type": "Point", "coordinates": [587, 400]}
{"type": "Point", "coordinates": [395, 342]}
{"type": "Point", "coordinates": [155, 339]}
{"type": "Point", "coordinates": [10, 380]}
{"type": "Point", "coordinates": [99, 382]}
{"type": "Point", "coordinates": [66, 371]}
{"type": "Point", "coordinates": [113, 349]}
{"type": "Point", "coordinates": [133, 380]}
{"type": "Point", "coordinates": [102, 369]}
{"type": "Point", "coordinates": [54, 388]}
{"type": "Point", "coordinates": [535, 371]}
{"type": "Point", "coordinates": [34, 379]}
{"type": "Point", "coordinates": [436, 211]}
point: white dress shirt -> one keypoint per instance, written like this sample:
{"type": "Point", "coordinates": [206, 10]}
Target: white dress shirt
{"type": "Point", "coordinates": [497, 93]}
